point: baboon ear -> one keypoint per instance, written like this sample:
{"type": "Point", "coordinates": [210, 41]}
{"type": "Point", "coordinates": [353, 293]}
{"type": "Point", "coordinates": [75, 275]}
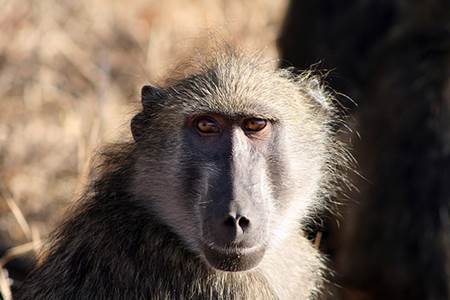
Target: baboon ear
{"type": "Point", "coordinates": [137, 126]}
{"type": "Point", "coordinates": [150, 94]}
{"type": "Point", "coordinates": [320, 95]}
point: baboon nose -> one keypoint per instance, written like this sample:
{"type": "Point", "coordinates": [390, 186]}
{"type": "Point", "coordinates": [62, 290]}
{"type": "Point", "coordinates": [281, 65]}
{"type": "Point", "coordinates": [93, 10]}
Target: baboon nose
{"type": "Point", "coordinates": [241, 223]}
{"type": "Point", "coordinates": [233, 230]}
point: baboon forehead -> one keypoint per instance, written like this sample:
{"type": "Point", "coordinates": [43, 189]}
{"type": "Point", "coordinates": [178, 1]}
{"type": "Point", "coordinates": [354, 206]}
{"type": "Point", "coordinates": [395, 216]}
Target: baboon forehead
{"type": "Point", "coordinates": [239, 87]}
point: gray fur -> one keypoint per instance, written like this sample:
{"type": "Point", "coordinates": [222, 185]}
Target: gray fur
{"type": "Point", "coordinates": [142, 223]}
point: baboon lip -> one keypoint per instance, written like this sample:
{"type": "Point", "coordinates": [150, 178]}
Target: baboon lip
{"type": "Point", "coordinates": [233, 259]}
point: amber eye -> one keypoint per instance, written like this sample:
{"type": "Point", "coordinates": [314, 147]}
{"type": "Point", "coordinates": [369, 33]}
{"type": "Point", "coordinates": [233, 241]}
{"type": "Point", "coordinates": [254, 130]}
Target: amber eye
{"type": "Point", "coordinates": [207, 125]}
{"type": "Point", "coordinates": [254, 124]}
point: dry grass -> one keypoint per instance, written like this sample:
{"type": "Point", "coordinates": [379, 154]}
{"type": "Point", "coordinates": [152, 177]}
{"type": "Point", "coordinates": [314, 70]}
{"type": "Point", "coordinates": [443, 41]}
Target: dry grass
{"type": "Point", "coordinates": [70, 72]}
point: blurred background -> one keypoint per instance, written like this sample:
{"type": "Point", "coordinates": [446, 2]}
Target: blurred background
{"type": "Point", "coordinates": [70, 75]}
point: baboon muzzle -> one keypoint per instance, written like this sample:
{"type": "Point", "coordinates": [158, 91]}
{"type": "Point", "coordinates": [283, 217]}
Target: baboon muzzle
{"type": "Point", "coordinates": [234, 221]}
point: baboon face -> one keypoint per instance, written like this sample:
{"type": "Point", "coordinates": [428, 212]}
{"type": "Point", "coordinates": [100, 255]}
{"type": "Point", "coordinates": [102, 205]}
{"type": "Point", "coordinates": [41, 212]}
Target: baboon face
{"type": "Point", "coordinates": [229, 161]}
{"type": "Point", "coordinates": [234, 198]}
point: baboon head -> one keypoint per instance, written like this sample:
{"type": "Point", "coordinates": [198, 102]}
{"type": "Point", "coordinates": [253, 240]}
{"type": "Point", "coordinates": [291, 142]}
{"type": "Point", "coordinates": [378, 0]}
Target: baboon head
{"type": "Point", "coordinates": [231, 157]}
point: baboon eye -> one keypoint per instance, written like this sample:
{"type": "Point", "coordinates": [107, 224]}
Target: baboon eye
{"type": "Point", "coordinates": [254, 124]}
{"type": "Point", "coordinates": [206, 125]}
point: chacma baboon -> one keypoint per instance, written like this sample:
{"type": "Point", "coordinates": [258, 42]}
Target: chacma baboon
{"type": "Point", "coordinates": [393, 59]}
{"type": "Point", "coordinates": [207, 201]}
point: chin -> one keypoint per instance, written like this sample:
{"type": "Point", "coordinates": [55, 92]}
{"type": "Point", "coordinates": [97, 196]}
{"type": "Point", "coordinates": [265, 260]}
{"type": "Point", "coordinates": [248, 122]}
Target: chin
{"type": "Point", "coordinates": [233, 259]}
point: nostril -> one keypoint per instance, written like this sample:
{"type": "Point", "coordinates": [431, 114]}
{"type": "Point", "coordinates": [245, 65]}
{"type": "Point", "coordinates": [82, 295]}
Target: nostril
{"type": "Point", "coordinates": [243, 222]}
{"type": "Point", "coordinates": [230, 221]}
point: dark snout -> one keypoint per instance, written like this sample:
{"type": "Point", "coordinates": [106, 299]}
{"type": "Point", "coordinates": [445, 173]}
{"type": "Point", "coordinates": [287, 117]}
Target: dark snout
{"type": "Point", "coordinates": [234, 222]}
{"type": "Point", "coordinates": [231, 224]}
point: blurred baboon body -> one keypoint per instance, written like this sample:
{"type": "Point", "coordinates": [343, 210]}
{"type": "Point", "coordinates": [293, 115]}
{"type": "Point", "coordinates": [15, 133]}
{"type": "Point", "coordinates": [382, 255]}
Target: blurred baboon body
{"type": "Point", "coordinates": [393, 59]}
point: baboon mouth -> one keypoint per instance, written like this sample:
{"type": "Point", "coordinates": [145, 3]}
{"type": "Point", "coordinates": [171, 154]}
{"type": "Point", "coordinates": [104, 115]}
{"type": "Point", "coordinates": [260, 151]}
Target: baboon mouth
{"type": "Point", "coordinates": [233, 260]}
